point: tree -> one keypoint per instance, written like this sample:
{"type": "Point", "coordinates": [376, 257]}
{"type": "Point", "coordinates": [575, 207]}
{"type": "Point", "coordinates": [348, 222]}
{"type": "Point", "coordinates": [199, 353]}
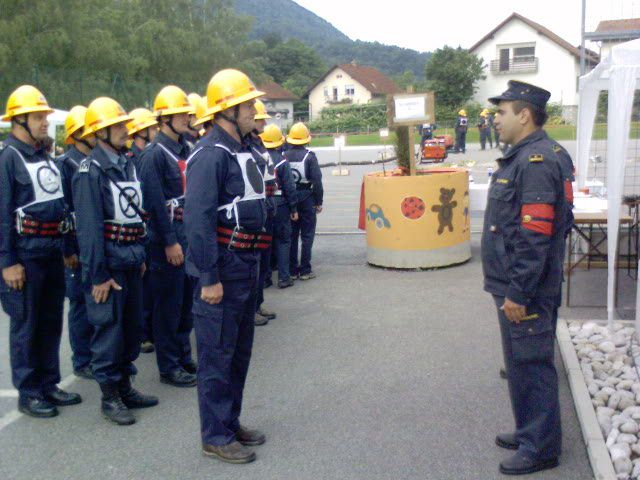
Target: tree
{"type": "Point", "coordinates": [294, 65]}
{"type": "Point", "coordinates": [452, 73]}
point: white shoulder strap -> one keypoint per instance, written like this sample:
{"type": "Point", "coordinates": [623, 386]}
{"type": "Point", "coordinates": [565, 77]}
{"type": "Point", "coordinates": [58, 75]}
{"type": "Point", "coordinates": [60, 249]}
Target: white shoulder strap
{"type": "Point", "coordinates": [18, 152]}
{"type": "Point", "coordinates": [193, 153]}
{"type": "Point", "coordinates": [167, 151]}
{"type": "Point", "coordinates": [223, 147]}
{"type": "Point", "coordinates": [280, 163]}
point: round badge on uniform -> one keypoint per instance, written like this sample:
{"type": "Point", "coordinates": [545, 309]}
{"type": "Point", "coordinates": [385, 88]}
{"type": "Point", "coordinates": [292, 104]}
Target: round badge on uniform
{"type": "Point", "coordinates": [48, 179]}
{"type": "Point", "coordinates": [127, 197]}
{"type": "Point", "coordinates": [296, 175]}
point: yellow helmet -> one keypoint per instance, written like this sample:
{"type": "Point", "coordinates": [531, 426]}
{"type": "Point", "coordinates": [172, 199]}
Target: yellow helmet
{"type": "Point", "coordinates": [272, 136]}
{"type": "Point", "coordinates": [102, 113]}
{"type": "Point", "coordinates": [462, 113]}
{"type": "Point", "coordinates": [194, 99]}
{"type": "Point", "coordinates": [172, 100]}
{"type": "Point", "coordinates": [229, 88]}
{"type": "Point", "coordinates": [74, 122]}
{"type": "Point", "coordinates": [299, 134]}
{"type": "Point", "coordinates": [141, 118]}
{"type": "Point", "coordinates": [26, 99]}
{"type": "Point", "coordinates": [261, 111]}
{"type": "Point", "coordinates": [201, 113]}
{"type": "Point", "coordinates": [484, 112]}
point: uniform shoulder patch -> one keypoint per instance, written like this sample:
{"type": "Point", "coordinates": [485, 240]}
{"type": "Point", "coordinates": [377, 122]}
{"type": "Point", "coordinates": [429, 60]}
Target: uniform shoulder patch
{"type": "Point", "coordinates": [557, 148]}
{"type": "Point", "coordinates": [84, 166]}
{"type": "Point", "coordinates": [503, 181]}
{"type": "Point", "coordinates": [536, 158]}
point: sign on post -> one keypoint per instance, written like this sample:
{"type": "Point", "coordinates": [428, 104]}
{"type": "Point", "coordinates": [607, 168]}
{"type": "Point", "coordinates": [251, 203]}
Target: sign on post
{"type": "Point", "coordinates": [340, 142]}
{"type": "Point", "coordinates": [409, 110]}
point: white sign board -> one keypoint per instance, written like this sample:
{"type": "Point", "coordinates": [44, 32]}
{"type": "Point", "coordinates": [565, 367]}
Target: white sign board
{"type": "Point", "coordinates": [412, 108]}
{"type": "Point", "coordinates": [340, 142]}
{"type": "Point", "coordinates": [384, 132]}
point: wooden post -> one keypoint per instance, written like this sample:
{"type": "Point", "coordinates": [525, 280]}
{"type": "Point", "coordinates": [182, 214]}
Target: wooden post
{"type": "Point", "coordinates": [412, 152]}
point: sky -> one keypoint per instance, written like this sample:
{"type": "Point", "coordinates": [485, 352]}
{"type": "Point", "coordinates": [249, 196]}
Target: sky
{"type": "Point", "coordinates": [416, 25]}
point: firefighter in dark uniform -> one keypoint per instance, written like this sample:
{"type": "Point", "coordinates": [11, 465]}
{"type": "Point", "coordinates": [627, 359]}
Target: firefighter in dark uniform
{"type": "Point", "coordinates": [204, 120]}
{"type": "Point", "coordinates": [111, 236]}
{"type": "Point", "coordinates": [80, 330]}
{"type": "Point", "coordinates": [142, 129]}
{"type": "Point", "coordinates": [225, 214]}
{"type": "Point", "coordinates": [192, 135]}
{"type": "Point", "coordinates": [32, 221]}
{"type": "Point", "coordinates": [286, 202]}
{"type": "Point", "coordinates": [163, 176]}
{"type": "Point", "coordinates": [461, 132]}
{"type": "Point", "coordinates": [484, 128]}
{"type": "Point", "coordinates": [308, 177]}
{"type": "Point", "coordinates": [522, 250]}
{"type": "Point", "coordinates": [267, 169]}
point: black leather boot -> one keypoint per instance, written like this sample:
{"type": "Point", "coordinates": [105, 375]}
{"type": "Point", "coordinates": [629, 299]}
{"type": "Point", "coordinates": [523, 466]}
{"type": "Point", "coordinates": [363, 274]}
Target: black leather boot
{"type": "Point", "coordinates": [113, 407]}
{"type": "Point", "coordinates": [133, 398]}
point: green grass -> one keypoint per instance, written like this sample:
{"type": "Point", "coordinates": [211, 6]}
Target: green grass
{"type": "Point", "coordinates": [557, 132]}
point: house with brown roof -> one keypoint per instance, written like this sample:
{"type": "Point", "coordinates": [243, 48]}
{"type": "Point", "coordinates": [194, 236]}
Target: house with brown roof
{"type": "Point", "coordinates": [612, 32]}
{"type": "Point", "coordinates": [279, 103]}
{"type": "Point", "coordinates": [521, 49]}
{"type": "Point", "coordinates": [349, 83]}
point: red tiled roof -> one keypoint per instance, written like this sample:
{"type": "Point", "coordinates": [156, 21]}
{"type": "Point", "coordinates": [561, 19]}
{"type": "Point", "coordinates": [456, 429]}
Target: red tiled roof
{"type": "Point", "coordinates": [275, 91]}
{"type": "Point", "coordinates": [542, 31]}
{"type": "Point", "coordinates": [619, 25]}
{"type": "Point", "coordinates": [370, 78]}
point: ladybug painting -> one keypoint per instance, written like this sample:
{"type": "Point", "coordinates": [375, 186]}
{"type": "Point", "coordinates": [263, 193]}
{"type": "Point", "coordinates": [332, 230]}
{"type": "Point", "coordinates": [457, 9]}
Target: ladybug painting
{"type": "Point", "coordinates": [413, 208]}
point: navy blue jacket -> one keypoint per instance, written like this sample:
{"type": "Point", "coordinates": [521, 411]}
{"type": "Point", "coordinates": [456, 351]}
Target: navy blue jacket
{"type": "Point", "coordinates": [459, 126]}
{"type": "Point", "coordinates": [285, 180]}
{"type": "Point", "coordinates": [94, 203]}
{"type": "Point", "coordinates": [295, 153]}
{"type": "Point", "coordinates": [215, 179]}
{"type": "Point", "coordinates": [16, 190]}
{"type": "Point", "coordinates": [68, 165]}
{"type": "Point", "coordinates": [568, 175]}
{"type": "Point", "coordinates": [161, 179]}
{"type": "Point", "coordinates": [524, 224]}
{"type": "Point", "coordinates": [259, 154]}
{"type": "Point", "coordinates": [135, 153]}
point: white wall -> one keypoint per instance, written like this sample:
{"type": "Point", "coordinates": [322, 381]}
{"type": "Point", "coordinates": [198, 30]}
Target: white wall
{"type": "Point", "coordinates": [340, 79]}
{"type": "Point", "coordinates": [558, 69]}
{"type": "Point", "coordinates": [284, 108]}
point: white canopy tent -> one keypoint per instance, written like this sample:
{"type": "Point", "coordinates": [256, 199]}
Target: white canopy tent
{"type": "Point", "coordinates": [58, 117]}
{"type": "Point", "coordinates": [619, 74]}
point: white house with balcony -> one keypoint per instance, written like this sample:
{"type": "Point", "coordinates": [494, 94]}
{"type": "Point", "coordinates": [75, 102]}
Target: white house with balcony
{"type": "Point", "coordinates": [521, 49]}
{"type": "Point", "coordinates": [346, 84]}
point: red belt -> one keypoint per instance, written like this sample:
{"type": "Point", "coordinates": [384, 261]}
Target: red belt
{"type": "Point", "coordinates": [119, 233]}
{"type": "Point", "coordinates": [240, 239]}
{"type": "Point", "coordinates": [31, 227]}
{"type": "Point", "coordinates": [178, 214]}
{"type": "Point", "coordinates": [270, 190]}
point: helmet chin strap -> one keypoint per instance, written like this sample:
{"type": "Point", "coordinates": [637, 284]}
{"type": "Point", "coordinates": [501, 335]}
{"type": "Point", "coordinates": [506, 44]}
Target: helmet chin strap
{"type": "Point", "coordinates": [109, 142]}
{"type": "Point", "coordinates": [146, 139]}
{"type": "Point", "coordinates": [84, 142]}
{"type": "Point", "coordinates": [170, 125]}
{"type": "Point", "coordinates": [234, 121]}
{"type": "Point", "coordinates": [26, 127]}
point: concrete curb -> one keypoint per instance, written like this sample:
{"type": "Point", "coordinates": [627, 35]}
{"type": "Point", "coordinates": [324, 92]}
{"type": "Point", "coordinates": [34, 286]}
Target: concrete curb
{"type": "Point", "coordinates": [597, 450]}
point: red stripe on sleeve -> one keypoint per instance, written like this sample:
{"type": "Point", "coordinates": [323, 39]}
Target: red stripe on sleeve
{"type": "Point", "coordinates": [539, 210]}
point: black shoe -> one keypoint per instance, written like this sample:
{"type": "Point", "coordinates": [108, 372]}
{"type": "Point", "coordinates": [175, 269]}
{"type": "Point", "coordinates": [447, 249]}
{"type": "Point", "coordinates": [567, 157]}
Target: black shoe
{"type": "Point", "coordinates": [37, 407]}
{"type": "Point", "coordinates": [84, 372]}
{"type": "Point", "coordinates": [507, 440]}
{"type": "Point", "coordinates": [307, 276]}
{"type": "Point", "coordinates": [250, 438]}
{"type": "Point", "coordinates": [179, 378]}
{"type": "Point", "coordinates": [503, 373]}
{"type": "Point", "coordinates": [60, 398]}
{"type": "Point", "coordinates": [113, 408]}
{"type": "Point", "coordinates": [190, 367]}
{"type": "Point", "coordinates": [133, 398]}
{"type": "Point", "coordinates": [147, 347]}
{"type": "Point", "coordinates": [285, 283]}
{"type": "Point", "coordinates": [521, 465]}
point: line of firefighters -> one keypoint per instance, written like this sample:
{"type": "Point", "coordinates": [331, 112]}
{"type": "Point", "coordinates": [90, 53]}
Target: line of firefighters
{"type": "Point", "coordinates": [154, 223]}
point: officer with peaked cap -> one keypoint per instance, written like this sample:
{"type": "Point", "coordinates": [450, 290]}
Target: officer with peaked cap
{"type": "Point", "coordinates": [522, 252]}
{"type": "Point", "coordinates": [32, 221]}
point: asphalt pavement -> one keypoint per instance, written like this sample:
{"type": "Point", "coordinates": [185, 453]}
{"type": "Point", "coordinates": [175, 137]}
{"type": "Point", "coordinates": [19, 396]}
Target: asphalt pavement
{"type": "Point", "coordinates": [366, 373]}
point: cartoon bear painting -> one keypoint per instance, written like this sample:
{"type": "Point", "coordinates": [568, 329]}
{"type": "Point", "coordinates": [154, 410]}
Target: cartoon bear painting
{"type": "Point", "coordinates": [445, 210]}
